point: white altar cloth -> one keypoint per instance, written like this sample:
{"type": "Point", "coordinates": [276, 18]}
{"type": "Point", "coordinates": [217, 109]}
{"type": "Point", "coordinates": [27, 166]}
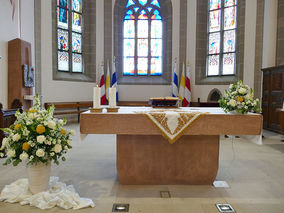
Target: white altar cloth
{"type": "Point", "coordinates": [58, 195]}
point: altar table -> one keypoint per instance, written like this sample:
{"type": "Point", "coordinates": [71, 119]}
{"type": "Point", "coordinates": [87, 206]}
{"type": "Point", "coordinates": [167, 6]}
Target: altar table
{"type": "Point", "coordinates": [144, 156]}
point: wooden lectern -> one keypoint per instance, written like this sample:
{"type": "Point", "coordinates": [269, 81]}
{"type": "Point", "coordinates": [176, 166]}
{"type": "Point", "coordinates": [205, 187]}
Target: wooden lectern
{"type": "Point", "coordinates": [20, 73]}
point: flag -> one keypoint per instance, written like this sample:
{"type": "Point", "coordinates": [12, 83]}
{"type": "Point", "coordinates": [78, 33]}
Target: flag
{"type": "Point", "coordinates": [107, 82]}
{"type": "Point", "coordinates": [114, 79]}
{"type": "Point", "coordinates": [175, 81]}
{"type": "Point", "coordinates": [181, 86]}
{"type": "Point", "coordinates": [187, 92]}
{"type": "Point", "coordinates": [102, 85]}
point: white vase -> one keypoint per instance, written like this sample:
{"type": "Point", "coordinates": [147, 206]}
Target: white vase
{"type": "Point", "coordinates": [38, 175]}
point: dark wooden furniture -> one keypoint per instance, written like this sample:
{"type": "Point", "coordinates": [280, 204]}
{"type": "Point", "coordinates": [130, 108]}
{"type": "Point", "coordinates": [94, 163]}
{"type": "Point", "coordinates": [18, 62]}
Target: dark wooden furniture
{"type": "Point", "coordinates": [7, 118]}
{"type": "Point", "coordinates": [64, 108]}
{"type": "Point", "coordinates": [272, 97]}
{"type": "Point", "coordinates": [19, 54]}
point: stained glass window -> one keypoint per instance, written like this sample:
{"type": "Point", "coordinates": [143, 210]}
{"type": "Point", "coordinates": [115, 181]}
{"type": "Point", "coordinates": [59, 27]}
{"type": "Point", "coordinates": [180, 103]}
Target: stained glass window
{"type": "Point", "coordinates": [69, 35]}
{"type": "Point", "coordinates": [221, 51]}
{"type": "Point", "coordinates": [142, 38]}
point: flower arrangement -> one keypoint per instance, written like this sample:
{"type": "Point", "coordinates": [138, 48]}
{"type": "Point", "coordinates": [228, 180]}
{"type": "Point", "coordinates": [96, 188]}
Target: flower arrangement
{"type": "Point", "coordinates": [36, 137]}
{"type": "Point", "coordinates": [239, 98]}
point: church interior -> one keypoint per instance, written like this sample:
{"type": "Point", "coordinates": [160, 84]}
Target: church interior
{"type": "Point", "coordinates": [102, 63]}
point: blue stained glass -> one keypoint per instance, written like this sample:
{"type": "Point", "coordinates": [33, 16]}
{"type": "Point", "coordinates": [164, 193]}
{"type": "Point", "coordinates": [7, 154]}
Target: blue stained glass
{"type": "Point", "coordinates": [143, 2]}
{"type": "Point", "coordinates": [77, 5]}
{"type": "Point", "coordinates": [156, 3]}
{"type": "Point", "coordinates": [130, 2]}
{"type": "Point", "coordinates": [149, 9]}
{"type": "Point", "coordinates": [62, 39]}
{"type": "Point", "coordinates": [129, 12]}
{"type": "Point", "coordinates": [143, 15]}
{"type": "Point", "coordinates": [76, 43]}
{"type": "Point", "coordinates": [62, 18]}
{"type": "Point", "coordinates": [129, 17]}
{"type": "Point", "coordinates": [136, 9]}
{"type": "Point", "coordinates": [62, 3]}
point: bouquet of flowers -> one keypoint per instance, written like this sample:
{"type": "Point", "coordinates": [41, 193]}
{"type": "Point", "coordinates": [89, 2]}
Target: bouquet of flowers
{"type": "Point", "coordinates": [239, 98]}
{"type": "Point", "coordinates": [36, 137]}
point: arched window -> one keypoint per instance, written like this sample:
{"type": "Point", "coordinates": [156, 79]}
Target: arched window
{"type": "Point", "coordinates": [142, 38]}
{"type": "Point", "coordinates": [69, 36]}
{"type": "Point", "coordinates": [221, 37]}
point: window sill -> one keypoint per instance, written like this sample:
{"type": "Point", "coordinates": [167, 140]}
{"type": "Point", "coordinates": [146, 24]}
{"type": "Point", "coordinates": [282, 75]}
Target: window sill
{"type": "Point", "coordinates": [142, 80]}
{"type": "Point", "coordinates": [77, 77]}
{"type": "Point", "coordinates": [217, 80]}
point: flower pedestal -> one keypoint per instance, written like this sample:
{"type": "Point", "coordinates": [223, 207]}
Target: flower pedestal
{"type": "Point", "coordinates": [38, 176]}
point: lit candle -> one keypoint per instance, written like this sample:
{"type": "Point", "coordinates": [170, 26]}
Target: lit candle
{"type": "Point", "coordinates": [112, 97]}
{"type": "Point", "coordinates": [97, 97]}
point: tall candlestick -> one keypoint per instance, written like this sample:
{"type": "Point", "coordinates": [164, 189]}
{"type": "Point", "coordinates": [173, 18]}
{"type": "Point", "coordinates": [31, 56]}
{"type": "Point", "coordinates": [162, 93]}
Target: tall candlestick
{"type": "Point", "coordinates": [112, 97]}
{"type": "Point", "coordinates": [97, 97]}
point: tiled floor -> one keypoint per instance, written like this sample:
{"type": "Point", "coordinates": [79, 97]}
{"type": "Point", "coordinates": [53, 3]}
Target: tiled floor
{"type": "Point", "coordinates": [255, 174]}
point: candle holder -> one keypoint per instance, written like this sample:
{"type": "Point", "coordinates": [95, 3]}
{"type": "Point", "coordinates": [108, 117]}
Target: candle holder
{"type": "Point", "coordinates": [100, 109]}
{"type": "Point", "coordinates": [112, 109]}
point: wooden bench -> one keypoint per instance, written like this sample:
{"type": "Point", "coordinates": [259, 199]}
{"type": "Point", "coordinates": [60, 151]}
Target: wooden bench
{"type": "Point", "coordinates": [70, 107]}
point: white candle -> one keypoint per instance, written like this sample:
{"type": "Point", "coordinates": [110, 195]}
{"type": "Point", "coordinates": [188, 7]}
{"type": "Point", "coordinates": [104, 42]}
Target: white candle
{"type": "Point", "coordinates": [97, 97]}
{"type": "Point", "coordinates": [112, 97]}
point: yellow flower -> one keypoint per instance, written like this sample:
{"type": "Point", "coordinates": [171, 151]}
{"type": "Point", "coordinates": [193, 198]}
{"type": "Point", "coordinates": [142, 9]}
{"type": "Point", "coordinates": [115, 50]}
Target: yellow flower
{"type": "Point", "coordinates": [63, 132]}
{"type": "Point", "coordinates": [17, 126]}
{"type": "Point", "coordinates": [26, 146]}
{"type": "Point", "coordinates": [40, 129]}
{"type": "Point", "coordinates": [32, 110]}
{"type": "Point", "coordinates": [240, 99]}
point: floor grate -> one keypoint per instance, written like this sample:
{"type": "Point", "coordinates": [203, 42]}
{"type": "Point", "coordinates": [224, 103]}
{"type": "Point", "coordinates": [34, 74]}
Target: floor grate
{"type": "Point", "coordinates": [227, 208]}
{"type": "Point", "coordinates": [120, 207]}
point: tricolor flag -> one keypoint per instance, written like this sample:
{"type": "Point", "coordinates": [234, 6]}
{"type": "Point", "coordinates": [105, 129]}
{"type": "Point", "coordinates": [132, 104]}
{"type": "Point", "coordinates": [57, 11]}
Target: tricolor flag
{"type": "Point", "coordinates": [181, 86]}
{"type": "Point", "coordinates": [175, 80]}
{"type": "Point", "coordinates": [102, 85]}
{"type": "Point", "coordinates": [187, 92]}
{"type": "Point", "coordinates": [107, 82]}
{"type": "Point", "coordinates": [114, 79]}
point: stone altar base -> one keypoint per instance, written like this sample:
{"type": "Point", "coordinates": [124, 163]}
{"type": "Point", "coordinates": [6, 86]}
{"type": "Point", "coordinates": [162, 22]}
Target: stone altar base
{"type": "Point", "coordinates": [151, 159]}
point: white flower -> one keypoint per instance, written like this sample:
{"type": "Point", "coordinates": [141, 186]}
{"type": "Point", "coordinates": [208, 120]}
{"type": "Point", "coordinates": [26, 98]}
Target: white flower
{"type": "Point", "coordinates": [31, 115]}
{"type": "Point", "coordinates": [242, 91]}
{"type": "Point", "coordinates": [24, 156]}
{"type": "Point", "coordinates": [232, 102]}
{"type": "Point", "coordinates": [60, 122]}
{"type": "Point", "coordinates": [26, 132]}
{"type": "Point", "coordinates": [231, 86]}
{"type": "Point", "coordinates": [11, 153]}
{"type": "Point", "coordinates": [1, 155]}
{"type": "Point", "coordinates": [66, 148]}
{"type": "Point", "coordinates": [72, 132]}
{"type": "Point", "coordinates": [5, 142]}
{"type": "Point", "coordinates": [58, 141]}
{"type": "Point", "coordinates": [40, 153]}
{"type": "Point", "coordinates": [69, 142]}
{"type": "Point", "coordinates": [16, 137]}
{"type": "Point", "coordinates": [40, 138]}
{"type": "Point", "coordinates": [51, 124]}
{"type": "Point", "coordinates": [57, 148]}
{"type": "Point", "coordinates": [52, 154]}
{"type": "Point", "coordinates": [31, 157]}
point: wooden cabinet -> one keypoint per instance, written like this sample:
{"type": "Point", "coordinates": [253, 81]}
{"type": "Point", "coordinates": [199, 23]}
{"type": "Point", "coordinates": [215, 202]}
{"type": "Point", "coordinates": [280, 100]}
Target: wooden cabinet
{"type": "Point", "coordinates": [272, 97]}
{"type": "Point", "coordinates": [19, 56]}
